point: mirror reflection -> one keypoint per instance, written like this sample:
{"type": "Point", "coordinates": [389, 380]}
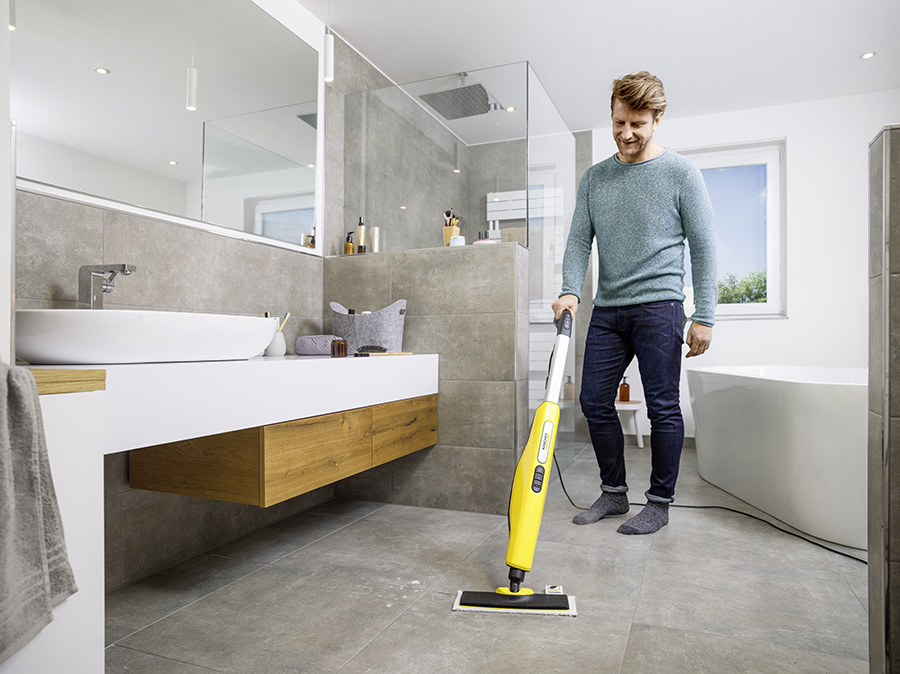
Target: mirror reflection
{"type": "Point", "coordinates": [243, 159]}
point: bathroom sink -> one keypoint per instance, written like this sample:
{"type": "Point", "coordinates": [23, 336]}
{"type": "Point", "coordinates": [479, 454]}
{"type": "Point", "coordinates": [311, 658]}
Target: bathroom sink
{"type": "Point", "coordinates": [85, 337]}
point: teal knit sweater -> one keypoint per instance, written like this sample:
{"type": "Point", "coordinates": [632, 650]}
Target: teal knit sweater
{"type": "Point", "coordinates": [640, 215]}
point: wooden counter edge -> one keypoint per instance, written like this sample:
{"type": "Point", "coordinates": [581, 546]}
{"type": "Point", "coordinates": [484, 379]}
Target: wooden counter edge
{"type": "Point", "coordinates": [69, 381]}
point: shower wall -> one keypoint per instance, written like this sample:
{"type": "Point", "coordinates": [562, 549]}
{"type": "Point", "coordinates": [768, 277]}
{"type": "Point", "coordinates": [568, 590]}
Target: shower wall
{"type": "Point", "coordinates": [399, 170]}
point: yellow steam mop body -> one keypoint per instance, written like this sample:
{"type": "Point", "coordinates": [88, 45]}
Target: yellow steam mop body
{"type": "Point", "coordinates": [526, 505]}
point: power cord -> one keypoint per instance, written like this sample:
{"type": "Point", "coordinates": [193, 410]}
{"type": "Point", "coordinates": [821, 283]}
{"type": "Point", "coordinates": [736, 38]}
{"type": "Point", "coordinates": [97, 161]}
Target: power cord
{"type": "Point", "coordinates": [716, 507]}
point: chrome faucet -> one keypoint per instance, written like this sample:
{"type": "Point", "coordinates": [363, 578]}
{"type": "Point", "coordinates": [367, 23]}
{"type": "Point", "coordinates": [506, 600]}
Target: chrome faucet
{"type": "Point", "coordinates": [96, 279]}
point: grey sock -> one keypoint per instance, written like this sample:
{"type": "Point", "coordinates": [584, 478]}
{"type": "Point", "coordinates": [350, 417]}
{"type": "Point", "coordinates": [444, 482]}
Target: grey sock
{"type": "Point", "coordinates": [653, 517]}
{"type": "Point", "coordinates": [609, 503]}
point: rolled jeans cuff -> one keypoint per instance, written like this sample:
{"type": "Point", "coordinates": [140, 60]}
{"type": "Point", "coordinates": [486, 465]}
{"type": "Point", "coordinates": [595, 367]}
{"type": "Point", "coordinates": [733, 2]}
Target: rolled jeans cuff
{"type": "Point", "coordinates": [657, 499]}
{"type": "Point", "coordinates": [615, 490]}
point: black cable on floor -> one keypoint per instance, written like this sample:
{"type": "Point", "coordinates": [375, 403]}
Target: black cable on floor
{"type": "Point", "coordinates": [715, 507]}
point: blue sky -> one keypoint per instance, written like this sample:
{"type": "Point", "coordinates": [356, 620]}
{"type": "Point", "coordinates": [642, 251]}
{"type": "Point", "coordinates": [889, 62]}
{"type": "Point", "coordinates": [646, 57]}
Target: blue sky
{"type": "Point", "coordinates": [738, 195]}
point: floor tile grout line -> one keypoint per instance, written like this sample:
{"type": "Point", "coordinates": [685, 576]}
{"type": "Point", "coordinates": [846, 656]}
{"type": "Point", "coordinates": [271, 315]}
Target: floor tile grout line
{"type": "Point", "coordinates": [262, 566]}
{"type": "Point", "coordinates": [241, 578]}
{"type": "Point", "coordinates": [425, 592]}
{"type": "Point", "coordinates": [165, 657]}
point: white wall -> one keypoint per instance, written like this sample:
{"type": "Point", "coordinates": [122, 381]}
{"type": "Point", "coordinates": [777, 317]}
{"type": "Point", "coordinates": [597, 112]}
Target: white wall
{"type": "Point", "coordinates": [49, 162]}
{"type": "Point", "coordinates": [6, 198]}
{"type": "Point", "coordinates": [827, 229]}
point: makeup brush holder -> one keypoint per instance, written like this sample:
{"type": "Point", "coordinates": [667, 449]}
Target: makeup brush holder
{"type": "Point", "coordinates": [448, 233]}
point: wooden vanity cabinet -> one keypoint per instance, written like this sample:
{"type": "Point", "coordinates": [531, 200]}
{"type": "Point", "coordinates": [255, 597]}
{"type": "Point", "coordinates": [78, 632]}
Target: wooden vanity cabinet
{"type": "Point", "coordinates": [270, 464]}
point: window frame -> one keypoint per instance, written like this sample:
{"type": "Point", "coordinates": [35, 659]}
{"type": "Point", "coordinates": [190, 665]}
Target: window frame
{"type": "Point", "coordinates": [771, 153]}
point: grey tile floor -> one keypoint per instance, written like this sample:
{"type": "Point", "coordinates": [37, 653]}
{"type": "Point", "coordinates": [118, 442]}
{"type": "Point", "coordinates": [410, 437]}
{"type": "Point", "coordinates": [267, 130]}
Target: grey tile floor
{"type": "Point", "coordinates": [355, 587]}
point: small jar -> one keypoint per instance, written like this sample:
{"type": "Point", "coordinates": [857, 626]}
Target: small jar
{"type": "Point", "coordinates": [338, 348]}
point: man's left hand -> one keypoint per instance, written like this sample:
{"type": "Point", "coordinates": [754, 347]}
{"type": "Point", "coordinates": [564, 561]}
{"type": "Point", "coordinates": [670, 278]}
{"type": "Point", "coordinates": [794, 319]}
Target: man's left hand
{"type": "Point", "coordinates": [698, 338]}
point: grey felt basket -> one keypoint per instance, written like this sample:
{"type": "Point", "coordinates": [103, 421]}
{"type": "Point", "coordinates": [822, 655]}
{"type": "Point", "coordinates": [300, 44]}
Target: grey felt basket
{"type": "Point", "coordinates": [382, 329]}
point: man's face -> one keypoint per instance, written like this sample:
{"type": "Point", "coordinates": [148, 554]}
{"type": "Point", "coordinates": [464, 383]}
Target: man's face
{"type": "Point", "coordinates": [632, 131]}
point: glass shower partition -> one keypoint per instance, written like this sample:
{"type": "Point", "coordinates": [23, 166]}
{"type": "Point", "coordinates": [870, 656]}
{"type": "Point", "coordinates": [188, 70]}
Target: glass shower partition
{"type": "Point", "coordinates": [551, 202]}
{"type": "Point", "coordinates": [259, 173]}
{"type": "Point", "coordinates": [489, 145]}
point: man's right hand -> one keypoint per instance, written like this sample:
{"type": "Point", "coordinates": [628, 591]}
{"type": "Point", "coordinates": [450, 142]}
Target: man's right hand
{"type": "Point", "coordinates": [569, 302]}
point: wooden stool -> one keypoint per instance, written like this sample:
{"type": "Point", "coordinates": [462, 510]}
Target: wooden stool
{"type": "Point", "coordinates": [632, 407]}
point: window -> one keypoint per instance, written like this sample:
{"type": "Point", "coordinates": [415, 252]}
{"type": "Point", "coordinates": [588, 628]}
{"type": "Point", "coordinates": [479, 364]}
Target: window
{"type": "Point", "coordinates": [746, 187]}
{"type": "Point", "coordinates": [290, 219]}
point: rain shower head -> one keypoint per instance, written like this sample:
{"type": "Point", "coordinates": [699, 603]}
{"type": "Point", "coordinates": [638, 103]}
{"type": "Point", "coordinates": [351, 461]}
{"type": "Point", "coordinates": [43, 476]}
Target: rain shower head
{"type": "Point", "coordinates": [463, 101]}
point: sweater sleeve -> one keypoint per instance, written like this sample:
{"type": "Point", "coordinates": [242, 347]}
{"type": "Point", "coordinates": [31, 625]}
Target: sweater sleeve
{"type": "Point", "coordinates": [698, 219]}
{"type": "Point", "coordinates": [578, 246]}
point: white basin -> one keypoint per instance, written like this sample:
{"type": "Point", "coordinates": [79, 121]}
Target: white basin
{"type": "Point", "coordinates": [85, 337]}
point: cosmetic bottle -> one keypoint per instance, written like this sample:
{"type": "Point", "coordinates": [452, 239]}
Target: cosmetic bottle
{"type": "Point", "coordinates": [338, 348]}
{"type": "Point", "coordinates": [624, 391]}
{"type": "Point", "coordinates": [348, 244]}
{"type": "Point", "coordinates": [569, 389]}
{"type": "Point", "coordinates": [374, 239]}
{"type": "Point", "coordinates": [361, 236]}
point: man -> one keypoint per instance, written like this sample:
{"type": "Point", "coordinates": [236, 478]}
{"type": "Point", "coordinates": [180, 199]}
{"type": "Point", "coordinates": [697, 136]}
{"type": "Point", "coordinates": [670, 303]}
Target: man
{"type": "Point", "coordinates": [640, 204]}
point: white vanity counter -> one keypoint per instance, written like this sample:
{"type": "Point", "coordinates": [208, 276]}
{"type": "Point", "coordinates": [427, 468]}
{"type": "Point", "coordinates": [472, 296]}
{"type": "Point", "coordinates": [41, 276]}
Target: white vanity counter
{"type": "Point", "coordinates": [154, 403]}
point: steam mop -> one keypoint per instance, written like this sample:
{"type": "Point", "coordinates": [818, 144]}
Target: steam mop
{"type": "Point", "coordinates": [526, 505]}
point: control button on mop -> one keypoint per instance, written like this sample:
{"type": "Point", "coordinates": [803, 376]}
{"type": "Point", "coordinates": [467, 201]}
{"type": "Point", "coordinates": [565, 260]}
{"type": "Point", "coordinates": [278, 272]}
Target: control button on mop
{"type": "Point", "coordinates": [538, 480]}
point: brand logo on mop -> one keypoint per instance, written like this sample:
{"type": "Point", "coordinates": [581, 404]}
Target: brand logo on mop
{"type": "Point", "coordinates": [544, 449]}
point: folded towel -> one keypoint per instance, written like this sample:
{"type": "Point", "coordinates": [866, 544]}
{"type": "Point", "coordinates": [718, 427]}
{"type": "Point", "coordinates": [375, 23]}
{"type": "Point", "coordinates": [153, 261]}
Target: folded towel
{"type": "Point", "coordinates": [314, 345]}
{"type": "Point", "coordinates": [35, 574]}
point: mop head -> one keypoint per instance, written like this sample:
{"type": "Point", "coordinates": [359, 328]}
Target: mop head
{"type": "Point", "coordinates": [554, 602]}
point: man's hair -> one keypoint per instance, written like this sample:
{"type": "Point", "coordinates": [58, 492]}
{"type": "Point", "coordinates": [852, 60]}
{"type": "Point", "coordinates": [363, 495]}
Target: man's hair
{"type": "Point", "coordinates": [640, 91]}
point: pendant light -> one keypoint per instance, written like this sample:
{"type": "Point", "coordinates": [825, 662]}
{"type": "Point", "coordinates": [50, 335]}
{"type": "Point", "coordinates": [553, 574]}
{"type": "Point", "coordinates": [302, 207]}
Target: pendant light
{"type": "Point", "coordinates": [328, 50]}
{"type": "Point", "coordinates": [329, 56]}
{"type": "Point", "coordinates": [191, 103]}
{"type": "Point", "coordinates": [191, 88]}
{"type": "Point", "coordinates": [12, 14]}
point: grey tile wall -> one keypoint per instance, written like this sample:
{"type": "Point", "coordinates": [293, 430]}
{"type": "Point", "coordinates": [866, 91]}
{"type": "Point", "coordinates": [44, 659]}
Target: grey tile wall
{"type": "Point", "coordinates": [884, 321]}
{"type": "Point", "coordinates": [399, 165]}
{"type": "Point", "coordinates": [178, 269]}
{"type": "Point", "coordinates": [469, 305]}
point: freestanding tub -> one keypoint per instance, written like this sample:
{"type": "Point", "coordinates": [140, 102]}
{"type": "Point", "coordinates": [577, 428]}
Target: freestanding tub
{"type": "Point", "coordinates": [790, 441]}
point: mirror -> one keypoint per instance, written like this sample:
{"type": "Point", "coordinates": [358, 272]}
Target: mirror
{"type": "Point", "coordinates": [244, 159]}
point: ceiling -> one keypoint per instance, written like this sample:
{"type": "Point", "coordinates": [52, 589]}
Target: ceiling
{"type": "Point", "coordinates": [713, 55]}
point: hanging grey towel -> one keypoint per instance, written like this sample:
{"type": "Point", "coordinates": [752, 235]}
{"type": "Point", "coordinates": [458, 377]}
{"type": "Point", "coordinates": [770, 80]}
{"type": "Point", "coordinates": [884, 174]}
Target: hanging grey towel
{"type": "Point", "coordinates": [382, 329]}
{"type": "Point", "coordinates": [36, 575]}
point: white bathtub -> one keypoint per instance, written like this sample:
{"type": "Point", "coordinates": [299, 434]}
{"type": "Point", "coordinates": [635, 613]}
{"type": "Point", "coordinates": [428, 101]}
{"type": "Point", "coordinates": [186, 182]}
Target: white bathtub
{"type": "Point", "coordinates": [790, 441]}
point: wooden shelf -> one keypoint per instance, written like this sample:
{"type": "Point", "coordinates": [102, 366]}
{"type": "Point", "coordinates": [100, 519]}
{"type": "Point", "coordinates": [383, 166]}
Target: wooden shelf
{"type": "Point", "coordinates": [68, 381]}
{"type": "Point", "coordinates": [270, 464]}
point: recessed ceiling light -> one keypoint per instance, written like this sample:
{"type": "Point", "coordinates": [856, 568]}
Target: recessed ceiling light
{"type": "Point", "coordinates": [457, 170]}
{"type": "Point", "coordinates": [102, 71]}
{"type": "Point", "coordinates": [403, 208]}
{"type": "Point", "coordinates": [511, 108]}
{"type": "Point", "coordinates": [172, 162]}
{"type": "Point", "coordinates": [867, 55]}
{"type": "Point", "coordinates": [310, 166]}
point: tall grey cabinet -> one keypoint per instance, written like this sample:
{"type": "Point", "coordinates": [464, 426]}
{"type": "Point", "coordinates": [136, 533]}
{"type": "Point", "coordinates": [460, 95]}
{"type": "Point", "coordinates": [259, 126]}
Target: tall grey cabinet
{"type": "Point", "coordinates": [884, 401]}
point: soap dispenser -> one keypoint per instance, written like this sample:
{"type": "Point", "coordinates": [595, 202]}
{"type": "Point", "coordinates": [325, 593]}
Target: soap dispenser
{"type": "Point", "coordinates": [348, 244]}
{"type": "Point", "coordinates": [569, 389]}
{"type": "Point", "coordinates": [624, 391]}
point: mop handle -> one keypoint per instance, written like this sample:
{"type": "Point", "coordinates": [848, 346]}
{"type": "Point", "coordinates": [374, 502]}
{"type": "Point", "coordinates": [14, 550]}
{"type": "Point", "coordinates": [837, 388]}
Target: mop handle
{"type": "Point", "coordinates": [558, 357]}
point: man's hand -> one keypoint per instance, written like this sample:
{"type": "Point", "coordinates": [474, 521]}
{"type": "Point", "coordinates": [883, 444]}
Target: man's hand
{"type": "Point", "coordinates": [698, 338]}
{"type": "Point", "coordinates": [569, 302]}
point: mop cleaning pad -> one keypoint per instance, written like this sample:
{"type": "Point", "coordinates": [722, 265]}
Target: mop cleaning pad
{"type": "Point", "coordinates": [35, 574]}
{"type": "Point", "coordinates": [552, 603]}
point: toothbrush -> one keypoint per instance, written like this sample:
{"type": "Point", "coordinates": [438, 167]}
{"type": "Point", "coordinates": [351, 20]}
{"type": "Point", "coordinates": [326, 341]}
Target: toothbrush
{"type": "Point", "coordinates": [284, 320]}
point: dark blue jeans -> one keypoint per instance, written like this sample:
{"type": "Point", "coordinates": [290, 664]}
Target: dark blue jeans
{"type": "Point", "coordinates": [654, 334]}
